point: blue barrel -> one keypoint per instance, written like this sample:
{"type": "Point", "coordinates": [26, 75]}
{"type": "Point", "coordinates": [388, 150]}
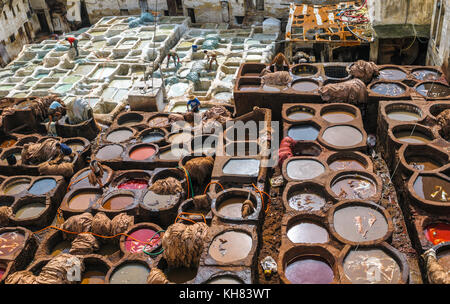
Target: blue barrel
{"type": "Point", "coordinates": [194, 48]}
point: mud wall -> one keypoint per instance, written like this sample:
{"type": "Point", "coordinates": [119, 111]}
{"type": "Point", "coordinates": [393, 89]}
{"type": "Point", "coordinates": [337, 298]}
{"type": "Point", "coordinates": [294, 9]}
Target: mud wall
{"type": "Point", "coordinates": [216, 10]}
{"type": "Point", "coordinates": [386, 12]}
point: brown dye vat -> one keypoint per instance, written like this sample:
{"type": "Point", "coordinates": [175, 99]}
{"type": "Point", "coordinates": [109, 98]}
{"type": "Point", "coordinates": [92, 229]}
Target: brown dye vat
{"type": "Point", "coordinates": [302, 168]}
{"type": "Point", "coordinates": [415, 138]}
{"type": "Point", "coordinates": [189, 207]}
{"type": "Point", "coordinates": [346, 164]}
{"type": "Point", "coordinates": [381, 264]}
{"type": "Point", "coordinates": [342, 136]}
{"type": "Point", "coordinates": [129, 119]}
{"type": "Point", "coordinates": [16, 186]}
{"type": "Point", "coordinates": [338, 116]}
{"type": "Point", "coordinates": [273, 88]}
{"type": "Point", "coordinates": [119, 135]}
{"type": "Point", "coordinates": [304, 70]}
{"type": "Point", "coordinates": [128, 271]}
{"type": "Point", "coordinates": [297, 113]}
{"type": "Point", "coordinates": [62, 247]}
{"type": "Point", "coordinates": [161, 209]}
{"type": "Point", "coordinates": [26, 140]}
{"type": "Point", "coordinates": [354, 186]}
{"type": "Point", "coordinates": [336, 72]}
{"type": "Point", "coordinates": [304, 201]}
{"type": "Point", "coordinates": [80, 179]}
{"type": "Point", "coordinates": [228, 204]}
{"type": "Point", "coordinates": [118, 202]}
{"type": "Point", "coordinates": [421, 158]}
{"type": "Point", "coordinates": [433, 90]}
{"type": "Point", "coordinates": [76, 145]}
{"type": "Point", "coordinates": [432, 188]}
{"type": "Point", "coordinates": [224, 275]}
{"type": "Point", "coordinates": [180, 275]}
{"type": "Point", "coordinates": [305, 86]}
{"type": "Point", "coordinates": [425, 74]}
{"type": "Point", "coordinates": [392, 73]}
{"type": "Point", "coordinates": [388, 88]}
{"type": "Point", "coordinates": [230, 246]}
{"type": "Point", "coordinates": [31, 211]}
{"type": "Point", "coordinates": [360, 223]}
{"type": "Point", "coordinates": [159, 121]}
{"type": "Point", "coordinates": [83, 199]}
{"type": "Point", "coordinates": [249, 87]}
{"type": "Point", "coordinates": [109, 152]}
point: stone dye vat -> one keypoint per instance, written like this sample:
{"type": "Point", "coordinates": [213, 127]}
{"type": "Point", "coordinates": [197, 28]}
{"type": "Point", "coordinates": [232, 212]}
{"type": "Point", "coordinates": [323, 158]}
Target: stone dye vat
{"type": "Point", "coordinates": [128, 272]}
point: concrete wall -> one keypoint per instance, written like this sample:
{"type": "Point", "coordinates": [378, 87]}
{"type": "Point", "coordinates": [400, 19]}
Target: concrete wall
{"type": "Point", "coordinates": [440, 56]}
{"type": "Point", "coordinates": [384, 12]}
{"type": "Point", "coordinates": [15, 25]}
{"type": "Point", "coordinates": [216, 11]}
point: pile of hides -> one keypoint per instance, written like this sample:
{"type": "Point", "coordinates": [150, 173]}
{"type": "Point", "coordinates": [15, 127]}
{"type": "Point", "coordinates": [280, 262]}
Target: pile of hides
{"type": "Point", "coordinates": [183, 244]}
{"type": "Point", "coordinates": [58, 270]}
{"type": "Point", "coordinates": [281, 78]}
{"type": "Point", "coordinates": [435, 272]}
{"type": "Point", "coordinates": [364, 70]}
{"type": "Point", "coordinates": [285, 150]}
{"type": "Point", "coordinates": [156, 276]}
{"type": "Point", "coordinates": [167, 186]}
{"type": "Point", "coordinates": [352, 91]}
{"type": "Point", "coordinates": [5, 213]}
{"type": "Point", "coordinates": [34, 154]}
{"type": "Point", "coordinates": [200, 169]}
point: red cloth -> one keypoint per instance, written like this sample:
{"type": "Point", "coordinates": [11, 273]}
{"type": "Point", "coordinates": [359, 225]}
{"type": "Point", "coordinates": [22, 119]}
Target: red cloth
{"type": "Point", "coordinates": [285, 150]}
{"type": "Point", "coordinates": [71, 39]}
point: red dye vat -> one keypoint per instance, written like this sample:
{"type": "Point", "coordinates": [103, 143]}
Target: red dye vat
{"type": "Point", "coordinates": [438, 233]}
{"type": "Point", "coordinates": [142, 153]}
{"type": "Point", "coordinates": [134, 184]}
{"type": "Point", "coordinates": [144, 235]}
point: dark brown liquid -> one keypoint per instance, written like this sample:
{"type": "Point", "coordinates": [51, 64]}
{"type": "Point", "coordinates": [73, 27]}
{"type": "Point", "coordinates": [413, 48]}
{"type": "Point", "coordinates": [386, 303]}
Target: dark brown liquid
{"type": "Point", "coordinates": [432, 188]}
{"type": "Point", "coordinates": [180, 275]}
{"type": "Point", "coordinates": [423, 163]}
{"type": "Point", "coordinates": [230, 246]}
{"type": "Point", "coordinates": [83, 200]}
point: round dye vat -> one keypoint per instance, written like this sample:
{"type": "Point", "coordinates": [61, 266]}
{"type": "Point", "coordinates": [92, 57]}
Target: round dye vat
{"type": "Point", "coordinates": [307, 232]}
{"type": "Point", "coordinates": [130, 273]}
{"type": "Point", "coordinates": [248, 87]}
{"type": "Point", "coordinates": [300, 115]}
{"type": "Point", "coordinates": [16, 187]}
{"type": "Point", "coordinates": [425, 74]}
{"type": "Point", "coordinates": [403, 115]}
{"type": "Point", "coordinates": [42, 186]}
{"type": "Point", "coordinates": [152, 137]}
{"type": "Point", "coordinates": [11, 242]}
{"type": "Point", "coordinates": [245, 166]}
{"type": "Point", "coordinates": [346, 164]}
{"type": "Point", "coordinates": [433, 90]}
{"type": "Point", "coordinates": [142, 235]}
{"type": "Point", "coordinates": [159, 201]}
{"type": "Point", "coordinates": [306, 201]}
{"type": "Point", "coordinates": [29, 210]}
{"type": "Point", "coordinates": [83, 200]}
{"type": "Point", "coordinates": [414, 138]}
{"type": "Point", "coordinates": [76, 147]}
{"type": "Point", "coordinates": [388, 89]}
{"type": "Point", "coordinates": [432, 188]}
{"type": "Point", "coordinates": [423, 163]}
{"type": "Point", "coordinates": [354, 187]}
{"type": "Point", "coordinates": [62, 247]}
{"type": "Point", "coordinates": [359, 223]}
{"type": "Point", "coordinates": [134, 184]}
{"type": "Point", "coordinates": [180, 137]}
{"type": "Point", "coordinates": [230, 246]}
{"type": "Point", "coordinates": [342, 136]}
{"type": "Point", "coordinates": [305, 86]}
{"type": "Point", "coordinates": [158, 122]}
{"type": "Point", "coordinates": [273, 88]}
{"type": "Point", "coordinates": [8, 143]}
{"type": "Point", "coordinates": [173, 154]}
{"type": "Point", "coordinates": [119, 136]}
{"type": "Point", "coordinates": [309, 270]}
{"type": "Point", "coordinates": [118, 202]}
{"type": "Point", "coordinates": [93, 275]}
{"type": "Point", "coordinates": [109, 152]}
{"type": "Point", "coordinates": [338, 116]}
{"type": "Point", "coordinates": [438, 233]}
{"type": "Point", "coordinates": [371, 266]}
{"type": "Point", "coordinates": [224, 280]}
{"type": "Point", "coordinates": [303, 132]}
{"type": "Point", "coordinates": [142, 152]}
{"type": "Point", "coordinates": [231, 207]}
{"type": "Point", "coordinates": [107, 249]}
{"type": "Point", "coordinates": [180, 275]}
{"type": "Point", "coordinates": [392, 74]}
{"type": "Point", "coordinates": [82, 181]}
{"type": "Point", "coordinates": [301, 169]}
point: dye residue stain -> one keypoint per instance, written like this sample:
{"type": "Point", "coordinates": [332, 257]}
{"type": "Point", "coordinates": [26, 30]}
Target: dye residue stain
{"type": "Point", "coordinates": [230, 246]}
{"type": "Point", "coordinates": [432, 188]}
{"type": "Point", "coordinates": [371, 266]}
{"type": "Point", "coordinates": [130, 273]}
{"type": "Point", "coordinates": [346, 164]}
{"type": "Point", "coordinates": [144, 235]}
{"type": "Point", "coordinates": [353, 187]}
{"type": "Point", "coordinates": [118, 202]}
{"type": "Point", "coordinates": [10, 243]}
{"type": "Point", "coordinates": [232, 207]}
{"type": "Point", "coordinates": [302, 169]}
{"type": "Point", "coordinates": [42, 186]}
{"type": "Point", "coordinates": [307, 232]}
{"type": "Point", "coordinates": [303, 132]}
{"type": "Point", "coordinates": [142, 153]}
{"type": "Point", "coordinates": [306, 201]}
{"type": "Point", "coordinates": [134, 184]}
{"type": "Point", "coordinates": [2, 271]}
{"type": "Point", "coordinates": [359, 223]}
{"type": "Point", "coordinates": [309, 270]}
{"type": "Point", "coordinates": [29, 211]}
{"type": "Point", "coordinates": [438, 233]}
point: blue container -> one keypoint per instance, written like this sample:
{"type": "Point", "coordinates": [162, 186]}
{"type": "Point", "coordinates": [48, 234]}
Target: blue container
{"type": "Point", "coordinates": [194, 48]}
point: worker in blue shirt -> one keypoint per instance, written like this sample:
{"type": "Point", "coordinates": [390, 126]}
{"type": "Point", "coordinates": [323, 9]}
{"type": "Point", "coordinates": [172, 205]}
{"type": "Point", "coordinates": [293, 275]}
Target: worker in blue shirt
{"type": "Point", "coordinates": [55, 112]}
{"type": "Point", "coordinates": [193, 105]}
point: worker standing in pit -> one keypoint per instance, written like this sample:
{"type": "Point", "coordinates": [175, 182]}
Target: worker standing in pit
{"type": "Point", "coordinates": [210, 57]}
{"type": "Point", "coordinates": [55, 112]}
{"type": "Point", "coordinates": [173, 55]}
{"type": "Point", "coordinates": [73, 44]}
{"type": "Point", "coordinates": [193, 105]}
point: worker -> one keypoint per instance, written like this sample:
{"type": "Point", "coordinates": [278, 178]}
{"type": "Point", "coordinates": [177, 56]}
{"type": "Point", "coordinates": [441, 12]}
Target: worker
{"type": "Point", "coordinates": [55, 112]}
{"type": "Point", "coordinates": [210, 57]}
{"type": "Point", "coordinates": [96, 173]}
{"type": "Point", "coordinates": [279, 63]}
{"type": "Point", "coordinates": [193, 105]}
{"type": "Point", "coordinates": [173, 55]}
{"type": "Point", "coordinates": [65, 149]}
{"type": "Point", "coordinates": [73, 43]}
